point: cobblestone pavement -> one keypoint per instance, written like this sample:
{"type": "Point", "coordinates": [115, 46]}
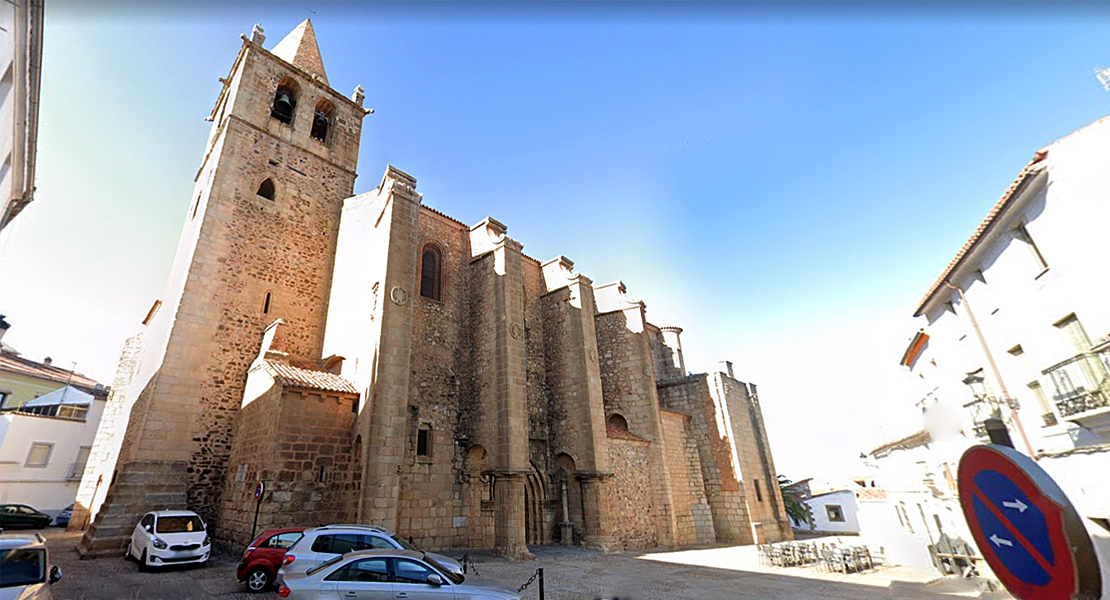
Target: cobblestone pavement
{"type": "Point", "coordinates": [569, 574]}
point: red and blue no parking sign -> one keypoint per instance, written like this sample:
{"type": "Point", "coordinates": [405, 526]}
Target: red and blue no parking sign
{"type": "Point", "coordinates": [1029, 533]}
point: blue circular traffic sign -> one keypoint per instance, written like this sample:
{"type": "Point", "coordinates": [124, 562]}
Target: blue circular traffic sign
{"type": "Point", "coordinates": [1026, 528]}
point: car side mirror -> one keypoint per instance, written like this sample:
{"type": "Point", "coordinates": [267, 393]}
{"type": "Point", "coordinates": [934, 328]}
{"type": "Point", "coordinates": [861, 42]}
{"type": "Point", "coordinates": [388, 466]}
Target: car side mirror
{"type": "Point", "coordinates": [434, 579]}
{"type": "Point", "coordinates": [55, 574]}
{"type": "Point", "coordinates": [146, 528]}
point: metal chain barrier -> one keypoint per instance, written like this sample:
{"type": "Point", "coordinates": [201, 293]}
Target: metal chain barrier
{"type": "Point", "coordinates": [539, 574]}
{"type": "Point", "coordinates": [468, 565]}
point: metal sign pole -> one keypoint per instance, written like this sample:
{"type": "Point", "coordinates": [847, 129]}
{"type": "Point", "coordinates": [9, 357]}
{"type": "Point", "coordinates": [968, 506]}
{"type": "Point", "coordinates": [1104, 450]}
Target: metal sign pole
{"type": "Point", "coordinates": [258, 491]}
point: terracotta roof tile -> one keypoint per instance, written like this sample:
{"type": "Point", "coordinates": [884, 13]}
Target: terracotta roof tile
{"type": "Point", "coordinates": [313, 379]}
{"type": "Point", "coordinates": [622, 434]}
{"type": "Point", "coordinates": [30, 368]}
{"type": "Point", "coordinates": [991, 217]}
{"type": "Point", "coordinates": [445, 216]}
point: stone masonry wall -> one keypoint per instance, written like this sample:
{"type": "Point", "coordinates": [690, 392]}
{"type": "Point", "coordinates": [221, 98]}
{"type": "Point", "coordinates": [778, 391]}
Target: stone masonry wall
{"type": "Point", "coordinates": [663, 357]}
{"type": "Point", "coordinates": [692, 515]}
{"type": "Point", "coordinates": [765, 508]}
{"type": "Point", "coordinates": [539, 423]}
{"type": "Point", "coordinates": [631, 496]}
{"type": "Point", "coordinates": [432, 501]}
{"type": "Point", "coordinates": [299, 442]}
{"type": "Point", "coordinates": [109, 437]}
{"type": "Point", "coordinates": [628, 388]}
{"type": "Point", "coordinates": [691, 396]}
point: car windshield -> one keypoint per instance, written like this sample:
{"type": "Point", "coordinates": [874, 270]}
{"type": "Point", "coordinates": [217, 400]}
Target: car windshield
{"type": "Point", "coordinates": [185, 524]}
{"type": "Point", "coordinates": [21, 566]}
{"type": "Point", "coordinates": [324, 566]}
{"type": "Point", "coordinates": [404, 544]}
{"type": "Point", "coordinates": [454, 577]}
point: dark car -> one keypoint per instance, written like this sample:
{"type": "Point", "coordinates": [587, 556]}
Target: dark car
{"type": "Point", "coordinates": [263, 557]}
{"type": "Point", "coordinates": [62, 520]}
{"type": "Point", "coordinates": [13, 516]}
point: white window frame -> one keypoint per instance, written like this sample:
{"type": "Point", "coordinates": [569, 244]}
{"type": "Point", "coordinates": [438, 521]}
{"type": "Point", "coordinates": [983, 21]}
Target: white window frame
{"type": "Point", "coordinates": [31, 452]}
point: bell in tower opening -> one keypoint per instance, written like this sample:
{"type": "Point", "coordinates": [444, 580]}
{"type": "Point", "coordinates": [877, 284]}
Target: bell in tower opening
{"type": "Point", "coordinates": [284, 103]}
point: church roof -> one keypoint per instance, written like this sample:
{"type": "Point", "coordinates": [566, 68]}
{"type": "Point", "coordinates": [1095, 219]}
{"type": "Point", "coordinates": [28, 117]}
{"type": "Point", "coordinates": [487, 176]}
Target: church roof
{"type": "Point", "coordinates": [299, 48]}
{"type": "Point", "coordinates": [300, 377]}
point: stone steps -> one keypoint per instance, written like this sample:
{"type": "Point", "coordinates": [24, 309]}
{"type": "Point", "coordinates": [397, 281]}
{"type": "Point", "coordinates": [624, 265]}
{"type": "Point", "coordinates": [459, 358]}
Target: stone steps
{"type": "Point", "coordinates": [140, 487]}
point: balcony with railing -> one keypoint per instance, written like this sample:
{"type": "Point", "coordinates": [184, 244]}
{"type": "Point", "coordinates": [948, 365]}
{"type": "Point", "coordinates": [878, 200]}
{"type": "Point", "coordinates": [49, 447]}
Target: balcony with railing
{"type": "Point", "coordinates": [1082, 386]}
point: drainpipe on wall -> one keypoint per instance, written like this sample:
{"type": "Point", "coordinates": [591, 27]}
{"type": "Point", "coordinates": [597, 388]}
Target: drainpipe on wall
{"type": "Point", "coordinates": [994, 369]}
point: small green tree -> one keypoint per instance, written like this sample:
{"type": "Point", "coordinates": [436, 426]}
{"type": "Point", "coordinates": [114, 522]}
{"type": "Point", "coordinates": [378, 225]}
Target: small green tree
{"type": "Point", "coordinates": [796, 509]}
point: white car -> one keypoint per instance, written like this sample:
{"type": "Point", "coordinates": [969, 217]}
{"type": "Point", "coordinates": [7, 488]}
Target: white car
{"type": "Point", "coordinates": [169, 537]}
{"type": "Point", "coordinates": [321, 544]}
{"type": "Point", "coordinates": [385, 575]}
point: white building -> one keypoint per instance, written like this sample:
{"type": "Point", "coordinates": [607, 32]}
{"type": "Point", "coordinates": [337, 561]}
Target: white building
{"type": "Point", "coordinates": [1017, 327]}
{"type": "Point", "coordinates": [44, 448]}
{"type": "Point", "coordinates": [20, 79]}
{"type": "Point", "coordinates": [833, 512]}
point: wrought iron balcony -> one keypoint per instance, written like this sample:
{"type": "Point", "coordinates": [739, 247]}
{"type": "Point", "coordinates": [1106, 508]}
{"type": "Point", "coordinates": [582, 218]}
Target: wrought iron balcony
{"type": "Point", "coordinates": [1081, 400]}
{"type": "Point", "coordinates": [1083, 368]}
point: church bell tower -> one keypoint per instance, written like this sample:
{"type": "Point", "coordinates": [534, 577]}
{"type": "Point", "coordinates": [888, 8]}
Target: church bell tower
{"type": "Point", "coordinates": [257, 245]}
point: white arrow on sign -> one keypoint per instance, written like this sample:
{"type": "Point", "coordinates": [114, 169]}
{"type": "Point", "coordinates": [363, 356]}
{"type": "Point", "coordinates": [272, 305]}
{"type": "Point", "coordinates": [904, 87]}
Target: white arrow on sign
{"type": "Point", "coordinates": [1000, 541]}
{"type": "Point", "coordinates": [1018, 504]}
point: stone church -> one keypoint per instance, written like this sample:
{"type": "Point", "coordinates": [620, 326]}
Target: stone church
{"type": "Point", "coordinates": [371, 359]}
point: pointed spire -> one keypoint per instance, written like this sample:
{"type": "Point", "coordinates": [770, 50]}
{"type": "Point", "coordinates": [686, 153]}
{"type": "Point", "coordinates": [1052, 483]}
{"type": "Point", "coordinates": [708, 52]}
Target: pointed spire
{"type": "Point", "coordinates": [299, 48]}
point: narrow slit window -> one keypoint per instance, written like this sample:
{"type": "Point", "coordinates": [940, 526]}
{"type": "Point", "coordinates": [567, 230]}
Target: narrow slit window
{"type": "Point", "coordinates": [758, 492]}
{"type": "Point", "coordinates": [424, 442]}
{"type": "Point", "coordinates": [266, 189]}
{"type": "Point", "coordinates": [431, 267]}
{"type": "Point", "coordinates": [266, 303]}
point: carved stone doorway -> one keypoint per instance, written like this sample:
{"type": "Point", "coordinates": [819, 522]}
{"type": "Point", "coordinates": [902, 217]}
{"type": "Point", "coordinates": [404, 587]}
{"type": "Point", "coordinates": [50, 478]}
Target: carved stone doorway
{"type": "Point", "coordinates": [534, 497]}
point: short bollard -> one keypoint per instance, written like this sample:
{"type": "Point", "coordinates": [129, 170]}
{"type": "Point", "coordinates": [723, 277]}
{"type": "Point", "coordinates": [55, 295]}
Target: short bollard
{"type": "Point", "coordinates": [541, 583]}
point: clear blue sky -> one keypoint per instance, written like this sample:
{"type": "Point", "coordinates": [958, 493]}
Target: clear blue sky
{"type": "Point", "coordinates": [784, 181]}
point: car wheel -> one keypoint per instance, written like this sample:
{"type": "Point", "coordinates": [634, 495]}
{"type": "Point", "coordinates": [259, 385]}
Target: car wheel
{"type": "Point", "coordinates": [128, 555]}
{"type": "Point", "coordinates": [142, 562]}
{"type": "Point", "coordinates": [258, 579]}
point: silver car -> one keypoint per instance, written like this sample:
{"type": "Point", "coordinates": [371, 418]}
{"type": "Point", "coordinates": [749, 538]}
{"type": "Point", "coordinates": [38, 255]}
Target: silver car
{"type": "Point", "coordinates": [24, 569]}
{"type": "Point", "coordinates": [321, 544]}
{"type": "Point", "coordinates": [385, 575]}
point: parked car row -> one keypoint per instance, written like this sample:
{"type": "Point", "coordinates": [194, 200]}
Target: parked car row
{"type": "Point", "coordinates": [21, 516]}
{"type": "Point", "coordinates": [352, 561]}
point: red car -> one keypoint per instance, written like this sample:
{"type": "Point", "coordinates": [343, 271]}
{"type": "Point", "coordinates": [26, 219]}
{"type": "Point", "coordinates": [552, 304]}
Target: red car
{"type": "Point", "coordinates": [263, 558]}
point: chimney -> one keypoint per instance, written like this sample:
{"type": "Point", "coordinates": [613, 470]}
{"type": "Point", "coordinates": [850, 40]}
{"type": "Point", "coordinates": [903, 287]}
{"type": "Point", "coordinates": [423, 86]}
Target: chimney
{"type": "Point", "coordinates": [725, 366]}
{"type": "Point", "coordinates": [46, 361]}
{"type": "Point", "coordinates": [4, 326]}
